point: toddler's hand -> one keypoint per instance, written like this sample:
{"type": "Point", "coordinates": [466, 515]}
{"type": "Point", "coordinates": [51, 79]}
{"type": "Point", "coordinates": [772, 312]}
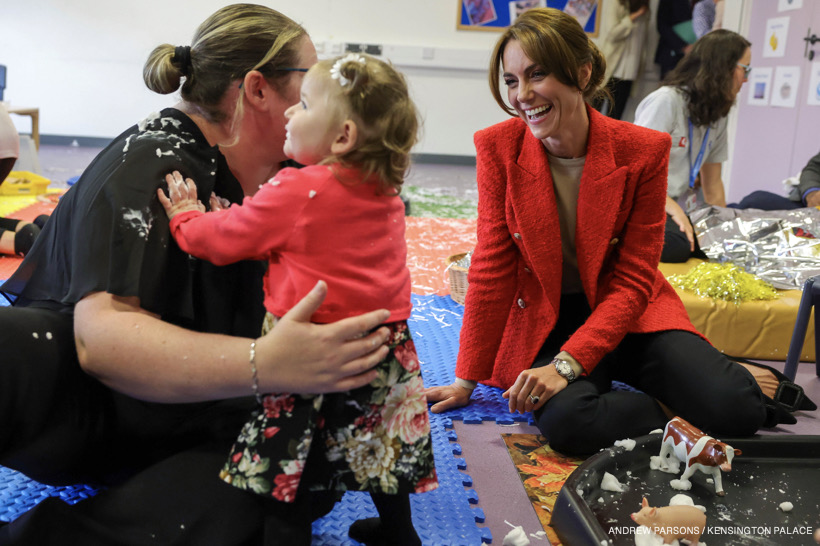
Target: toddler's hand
{"type": "Point", "coordinates": [181, 195]}
{"type": "Point", "coordinates": [218, 203]}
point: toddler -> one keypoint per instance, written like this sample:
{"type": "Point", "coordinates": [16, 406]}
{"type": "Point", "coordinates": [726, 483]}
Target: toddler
{"type": "Point", "coordinates": [339, 219]}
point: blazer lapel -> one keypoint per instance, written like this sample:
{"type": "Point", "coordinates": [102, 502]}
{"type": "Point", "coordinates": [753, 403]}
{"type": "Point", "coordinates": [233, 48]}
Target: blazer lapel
{"type": "Point", "coordinates": [599, 200]}
{"type": "Point", "coordinates": [533, 202]}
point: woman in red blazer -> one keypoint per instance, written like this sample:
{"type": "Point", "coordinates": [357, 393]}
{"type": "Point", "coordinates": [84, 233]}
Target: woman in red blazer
{"type": "Point", "coordinates": [565, 294]}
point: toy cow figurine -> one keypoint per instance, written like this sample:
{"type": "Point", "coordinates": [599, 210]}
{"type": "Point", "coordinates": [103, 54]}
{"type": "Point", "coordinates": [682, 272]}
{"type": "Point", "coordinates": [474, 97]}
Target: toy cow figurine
{"type": "Point", "coordinates": [697, 450]}
{"type": "Point", "coordinates": [672, 522]}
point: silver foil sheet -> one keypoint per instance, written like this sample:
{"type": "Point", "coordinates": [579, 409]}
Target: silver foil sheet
{"type": "Point", "coordinates": [780, 247]}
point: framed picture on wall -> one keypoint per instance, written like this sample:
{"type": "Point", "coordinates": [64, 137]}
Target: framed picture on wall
{"type": "Point", "coordinates": [496, 15]}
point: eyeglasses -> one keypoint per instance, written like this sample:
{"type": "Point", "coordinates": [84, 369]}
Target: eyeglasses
{"type": "Point", "coordinates": [747, 69]}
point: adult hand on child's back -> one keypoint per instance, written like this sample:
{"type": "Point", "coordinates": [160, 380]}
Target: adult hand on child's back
{"type": "Point", "coordinates": [447, 398]}
{"type": "Point", "coordinates": [300, 356]}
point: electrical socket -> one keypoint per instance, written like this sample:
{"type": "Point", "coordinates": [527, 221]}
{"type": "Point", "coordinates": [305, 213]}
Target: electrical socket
{"type": "Point", "coordinates": [370, 49]}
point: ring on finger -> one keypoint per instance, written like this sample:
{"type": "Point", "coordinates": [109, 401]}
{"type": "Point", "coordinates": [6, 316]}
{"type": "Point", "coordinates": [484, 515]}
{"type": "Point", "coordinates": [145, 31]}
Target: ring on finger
{"type": "Point", "coordinates": [534, 398]}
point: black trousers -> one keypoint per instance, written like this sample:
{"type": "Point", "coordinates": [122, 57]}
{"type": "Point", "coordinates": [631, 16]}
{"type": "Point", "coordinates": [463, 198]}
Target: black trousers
{"type": "Point", "coordinates": [765, 200]}
{"type": "Point", "coordinates": [676, 245]}
{"type": "Point", "coordinates": [158, 464]}
{"type": "Point", "coordinates": [679, 369]}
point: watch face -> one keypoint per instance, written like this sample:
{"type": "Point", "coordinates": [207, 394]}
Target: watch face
{"type": "Point", "coordinates": [563, 367]}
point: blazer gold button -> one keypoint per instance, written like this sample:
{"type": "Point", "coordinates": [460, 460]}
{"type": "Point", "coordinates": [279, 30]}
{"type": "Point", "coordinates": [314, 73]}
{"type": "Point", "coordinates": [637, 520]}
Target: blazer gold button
{"type": "Point", "coordinates": [517, 236]}
{"type": "Point", "coordinates": [521, 303]}
{"type": "Point", "coordinates": [614, 241]}
{"type": "Point", "coordinates": [527, 270]}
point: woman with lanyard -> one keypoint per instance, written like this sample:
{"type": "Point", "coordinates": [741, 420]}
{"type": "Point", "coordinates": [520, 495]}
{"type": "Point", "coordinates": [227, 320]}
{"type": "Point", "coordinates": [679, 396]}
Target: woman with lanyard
{"type": "Point", "coordinates": [693, 106]}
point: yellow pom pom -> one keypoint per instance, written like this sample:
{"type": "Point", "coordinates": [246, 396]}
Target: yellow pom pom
{"type": "Point", "coordinates": [724, 282]}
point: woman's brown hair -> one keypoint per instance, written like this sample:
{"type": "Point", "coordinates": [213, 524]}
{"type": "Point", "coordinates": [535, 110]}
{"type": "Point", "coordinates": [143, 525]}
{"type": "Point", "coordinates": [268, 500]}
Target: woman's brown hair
{"type": "Point", "coordinates": [226, 46]}
{"type": "Point", "coordinates": [558, 44]}
{"type": "Point", "coordinates": [706, 73]}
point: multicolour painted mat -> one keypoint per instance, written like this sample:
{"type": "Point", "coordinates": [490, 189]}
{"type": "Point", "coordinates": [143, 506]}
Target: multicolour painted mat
{"type": "Point", "coordinates": [543, 473]}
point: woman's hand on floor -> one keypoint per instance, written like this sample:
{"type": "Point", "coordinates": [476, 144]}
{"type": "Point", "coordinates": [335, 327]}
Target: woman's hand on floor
{"type": "Point", "coordinates": [300, 356]}
{"type": "Point", "coordinates": [533, 388]}
{"type": "Point", "coordinates": [447, 398]}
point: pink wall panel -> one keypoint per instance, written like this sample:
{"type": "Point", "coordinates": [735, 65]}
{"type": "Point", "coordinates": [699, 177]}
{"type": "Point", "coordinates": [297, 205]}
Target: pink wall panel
{"type": "Point", "coordinates": [773, 143]}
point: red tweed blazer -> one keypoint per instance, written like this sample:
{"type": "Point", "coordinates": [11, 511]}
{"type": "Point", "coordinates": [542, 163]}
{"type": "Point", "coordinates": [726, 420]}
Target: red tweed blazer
{"type": "Point", "coordinates": [515, 273]}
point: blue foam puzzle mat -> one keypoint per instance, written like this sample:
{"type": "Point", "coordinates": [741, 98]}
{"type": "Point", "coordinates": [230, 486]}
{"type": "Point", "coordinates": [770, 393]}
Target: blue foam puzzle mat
{"type": "Point", "coordinates": [4, 302]}
{"type": "Point", "coordinates": [19, 493]}
{"type": "Point", "coordinates": [443, 516]}
{"type": "Point", "coordinates": [435, 325]}
{"type": "Point", "coordinates": [447, 515]}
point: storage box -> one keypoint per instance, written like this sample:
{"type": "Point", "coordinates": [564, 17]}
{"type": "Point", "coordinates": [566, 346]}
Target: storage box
{"type": "Point", "coordinates": [24, 183]}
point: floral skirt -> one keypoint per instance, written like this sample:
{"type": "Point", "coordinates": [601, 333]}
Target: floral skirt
{"type": "Point", "coordinates": [375, 438]}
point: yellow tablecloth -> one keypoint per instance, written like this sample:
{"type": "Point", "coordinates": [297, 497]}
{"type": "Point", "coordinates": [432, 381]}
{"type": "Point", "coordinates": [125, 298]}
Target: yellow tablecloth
{"type": "Point", "coordinates": [759, 330]}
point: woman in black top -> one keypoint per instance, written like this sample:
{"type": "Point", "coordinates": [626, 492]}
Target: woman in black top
{"type": "Point", "coordinates": [151, 396]}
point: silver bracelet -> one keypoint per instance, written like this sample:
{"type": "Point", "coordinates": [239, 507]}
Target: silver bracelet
{"type": "Point", "coordinates": [255, 384]}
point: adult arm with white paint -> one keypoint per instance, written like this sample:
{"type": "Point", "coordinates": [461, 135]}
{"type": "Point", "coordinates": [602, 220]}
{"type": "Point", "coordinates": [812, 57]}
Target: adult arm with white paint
{"type": "Point", "coordinates": [296, 356]}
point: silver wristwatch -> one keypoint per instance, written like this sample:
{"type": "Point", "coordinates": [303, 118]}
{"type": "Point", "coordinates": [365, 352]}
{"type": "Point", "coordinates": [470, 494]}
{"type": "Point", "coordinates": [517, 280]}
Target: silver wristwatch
{"type": "Point", "coordinates": [564, 369]}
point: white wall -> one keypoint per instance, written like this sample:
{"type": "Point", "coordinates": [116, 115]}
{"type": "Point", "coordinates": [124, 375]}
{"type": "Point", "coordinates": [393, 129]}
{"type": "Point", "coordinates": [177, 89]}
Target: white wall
{"type": "Point", "coordinates": [81, 62]}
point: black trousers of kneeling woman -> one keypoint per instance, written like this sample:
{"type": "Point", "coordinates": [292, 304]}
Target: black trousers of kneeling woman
{"type": "Point", "coordinates": [157, 464]}
{"type": "Point", "coordinates": [680, 369]}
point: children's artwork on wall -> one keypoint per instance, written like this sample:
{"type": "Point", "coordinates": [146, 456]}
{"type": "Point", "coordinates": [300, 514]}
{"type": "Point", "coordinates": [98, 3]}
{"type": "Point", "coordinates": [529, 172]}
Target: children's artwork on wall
{"type": "Point", "coordinates": [777, 32]}
{"type": "Point", "coordinates": [784, 89]}
{"type": "Point", "coordinates": [760, 85]}
{"type": "Point", "coordinates": [480, 12]}
{"type": "Point", "coordinates": [519, 7]}
{"type": "Point", "coordinates": [499, 14]}
{"type": "Point", "coordinates": [786, 5]}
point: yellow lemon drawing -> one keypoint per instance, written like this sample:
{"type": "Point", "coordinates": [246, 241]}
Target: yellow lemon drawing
{"type": "Point", "coordinates": [773, 41]}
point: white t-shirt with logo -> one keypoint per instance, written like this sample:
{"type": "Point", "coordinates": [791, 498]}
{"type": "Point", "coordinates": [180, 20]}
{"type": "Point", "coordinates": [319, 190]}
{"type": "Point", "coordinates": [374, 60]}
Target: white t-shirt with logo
{"type": "Point", "coordinates": [666, 110]}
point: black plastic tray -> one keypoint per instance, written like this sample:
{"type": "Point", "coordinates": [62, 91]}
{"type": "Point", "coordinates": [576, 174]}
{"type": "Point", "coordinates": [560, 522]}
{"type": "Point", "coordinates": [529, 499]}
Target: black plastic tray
{"type": "Point", "coordinates": [771, 470]}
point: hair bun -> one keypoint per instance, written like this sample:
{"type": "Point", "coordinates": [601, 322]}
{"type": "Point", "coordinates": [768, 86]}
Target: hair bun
{"type": "Point", "coordinates": [346, 68]}
{"type": "Point", "coordinates": [182, 58]}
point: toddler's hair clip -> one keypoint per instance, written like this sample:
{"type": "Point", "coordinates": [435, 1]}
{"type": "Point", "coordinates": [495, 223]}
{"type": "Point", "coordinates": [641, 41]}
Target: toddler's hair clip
{"type": "Point", "coordinates": [336, 70]}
